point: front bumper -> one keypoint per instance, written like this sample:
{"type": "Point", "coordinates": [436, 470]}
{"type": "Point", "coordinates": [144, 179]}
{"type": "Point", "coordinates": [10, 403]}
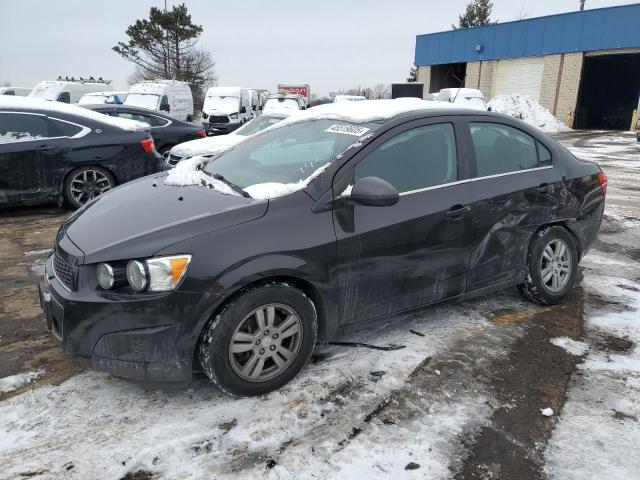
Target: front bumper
{"type": "Point", "coordinates": [220, 128]}
{"type": "Point", "coordinates": [150, 338]}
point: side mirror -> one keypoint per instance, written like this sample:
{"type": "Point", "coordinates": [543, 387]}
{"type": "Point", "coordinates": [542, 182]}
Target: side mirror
{"type": "Point", "coordinates": [204, 115]}
{"type": "Point", "coordinates": [374, 192]}
{"type": "Point", "coordinates": [165, 107]}
{"type": "Point", "coordinates": [488, 109]}
{"type": "Point", "coordinates": [243, 109]}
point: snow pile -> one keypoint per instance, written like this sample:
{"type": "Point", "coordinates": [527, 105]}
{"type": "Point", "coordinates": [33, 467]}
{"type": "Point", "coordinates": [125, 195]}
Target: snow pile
{"type": "Point", "coordinates": [26, 103]}
{"type": "Point", "coordinates": [189, 172]}
{"type": "Point", "coordinates": [526, 108]}
{"type": "Point", "coordinates": [9, 384]}
{"type": "Point", "coordinates": [546, 412]}
{"type": "Point", "coordinates": [263, 191]}
{"type": "Point", "coordinates": [572, 346]}
{"type": "Point", "coordinates": [206, 146]}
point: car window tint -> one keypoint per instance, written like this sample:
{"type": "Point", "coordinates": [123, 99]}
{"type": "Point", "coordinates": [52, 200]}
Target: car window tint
{"type": "Point", "coordinates": [418, 158]}
{"type": "Point", "coordinates": [133, 116]}
{"type": "Point", "coordinates": [544, 155]}
{"type": "Point", "coordinates": [154, 121]}
{"type": "Point", "coordinates": [502, 149]}
{"type": "Point", "coordinates": [66, 129]}
{"type": "Point", "coordinates": [18, 127]}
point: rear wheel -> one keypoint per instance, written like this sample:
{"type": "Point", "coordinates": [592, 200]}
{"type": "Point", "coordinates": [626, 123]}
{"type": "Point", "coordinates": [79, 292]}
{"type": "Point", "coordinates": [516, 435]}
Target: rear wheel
{"type": "Point", "coordinates": [260, 340]}
{"type": "Point", "coordinates": [86, 183]}
{"type": "Point", "coordinates": [551, 267]}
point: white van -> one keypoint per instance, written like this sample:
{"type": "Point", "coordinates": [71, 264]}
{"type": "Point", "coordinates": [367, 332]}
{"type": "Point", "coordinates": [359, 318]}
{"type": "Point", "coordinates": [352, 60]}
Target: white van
{"type": "Point", "coordinates": [225, 109]}
{"type": "Point", "coordinates": [17, 91]}
{"type": "Point", "coordinates": [257, 99]}
{"type": "Point", "coordinates": [68, 90]}
{"type": "Point", "coordinates": [168, 96]}
{"type": "Point", "coordinates": [116, 97]}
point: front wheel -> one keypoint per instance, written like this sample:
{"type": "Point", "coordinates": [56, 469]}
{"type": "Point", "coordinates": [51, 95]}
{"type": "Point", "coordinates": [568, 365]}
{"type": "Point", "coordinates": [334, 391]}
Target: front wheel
{"type": "Point", "coordinates": [260, 340]}
{"type": "Point", "coordinates": [86, 183]}
{"type": "Point", "coordinates": [551, 267]}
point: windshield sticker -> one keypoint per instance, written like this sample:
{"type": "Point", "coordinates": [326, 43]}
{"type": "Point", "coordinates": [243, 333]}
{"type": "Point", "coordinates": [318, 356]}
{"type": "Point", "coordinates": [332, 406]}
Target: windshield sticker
{"type": "Point", "coordinates": [347, 129]}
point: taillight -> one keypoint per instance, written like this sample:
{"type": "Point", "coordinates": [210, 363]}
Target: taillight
{"type": "Point", "coordinates": [147, 144]}
{"type": "Point", "coordinates": [602, 178]}
{"type": "Point", "coordinates": [201, 133]}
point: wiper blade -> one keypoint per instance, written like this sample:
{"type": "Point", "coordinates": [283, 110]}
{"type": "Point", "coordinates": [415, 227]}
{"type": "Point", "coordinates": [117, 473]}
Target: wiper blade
{"type": "Point", "coordinates": [242, 192]}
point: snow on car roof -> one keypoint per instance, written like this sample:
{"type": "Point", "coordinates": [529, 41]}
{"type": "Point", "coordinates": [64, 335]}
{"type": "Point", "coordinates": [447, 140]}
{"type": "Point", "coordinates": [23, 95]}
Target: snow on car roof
{"type": "Point", "coordinates": [365, 111]}
{"type": "Point", "coordinates": [26, 103]}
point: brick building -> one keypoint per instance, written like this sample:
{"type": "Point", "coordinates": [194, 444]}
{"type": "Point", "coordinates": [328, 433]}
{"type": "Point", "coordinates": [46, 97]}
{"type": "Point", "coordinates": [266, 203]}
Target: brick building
{"type": "Point", "coordinates": [582, 66]}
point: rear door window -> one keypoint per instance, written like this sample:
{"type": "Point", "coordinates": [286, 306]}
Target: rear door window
{"type": "Point", "coordinates": [418, 158]}
{"type": "Point", "coordinates": [502, 149]}
{"type": "Point", "coordinates": [66, 129]}
{"type": "Point", "coordinates": [21, 127]}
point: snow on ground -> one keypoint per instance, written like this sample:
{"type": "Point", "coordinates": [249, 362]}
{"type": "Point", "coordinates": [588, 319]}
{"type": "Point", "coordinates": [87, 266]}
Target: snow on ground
{"type": "Point", "coordinates": [8, 384]}
{"type": "Point", "coordinates": [574, 347]}
{"type": "Point", "coordinates": [194, 433]}
{"type": "Point", "coordinates": [26, 103]}
{"type": "Point", "coordinates": [526, 108]}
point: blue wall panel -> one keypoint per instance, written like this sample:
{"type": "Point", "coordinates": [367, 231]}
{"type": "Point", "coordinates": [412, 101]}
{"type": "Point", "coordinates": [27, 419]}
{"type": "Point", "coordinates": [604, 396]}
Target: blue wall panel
{"type": "Point", "coordinates": [597, 29]}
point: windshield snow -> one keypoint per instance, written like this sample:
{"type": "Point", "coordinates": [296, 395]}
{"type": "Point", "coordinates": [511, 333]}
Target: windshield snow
{"type": "Point", "coordinates": [144, 100]}
{"type": "Point", "coordinates": [226, 104]}
{"type": "Point", "coordinates": [285, 155]}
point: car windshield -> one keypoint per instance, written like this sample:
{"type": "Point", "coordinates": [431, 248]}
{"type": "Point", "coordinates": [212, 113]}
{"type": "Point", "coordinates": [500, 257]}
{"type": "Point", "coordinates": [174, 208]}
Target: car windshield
{"type": "Point", "coordinates": [286, 155]}
{"type": "Point", "coordinates": [257, 124]}
{"type": "Point", "coordinates": [227, 103]}
{"type": "Point", "coordinates": [144, 100]}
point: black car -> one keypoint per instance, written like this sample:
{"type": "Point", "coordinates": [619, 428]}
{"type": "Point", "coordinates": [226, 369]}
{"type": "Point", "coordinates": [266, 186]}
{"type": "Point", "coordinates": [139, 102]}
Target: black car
{"type": "Point", "coordinates": [52, 152]}
{"type": "Point", "coordinates": [373, 218]}
{"type": "Point", "coordinates": [167, 131]}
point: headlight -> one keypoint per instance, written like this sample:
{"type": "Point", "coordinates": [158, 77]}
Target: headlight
{"type": "Point", "coordinates": [137, 275]}
{"type": "Point", "coordinates": [110, 276]}
{"type": "Point", "coordinates": [105, 276]}
{"type": "Point", "coordinates": [233, 116]}
{"type": "Point", "coordinates": [157, 274]}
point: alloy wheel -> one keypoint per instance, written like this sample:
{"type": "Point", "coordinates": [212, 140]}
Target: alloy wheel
{"type": "Point", "coordinates": [88, 184]}
{"type": "Point", "coordinates": [265, 342]}
{"type": "Point", "coordinates": [555, 265]}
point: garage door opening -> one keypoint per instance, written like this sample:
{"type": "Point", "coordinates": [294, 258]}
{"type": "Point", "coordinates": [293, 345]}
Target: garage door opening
{"type": "Point", "coordinates": [609, 91]}
{"type": "Point", "coordinates": [450, 75]}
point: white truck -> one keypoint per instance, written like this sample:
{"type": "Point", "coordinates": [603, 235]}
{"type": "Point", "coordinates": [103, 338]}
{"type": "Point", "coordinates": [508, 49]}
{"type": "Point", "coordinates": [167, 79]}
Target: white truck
{"type": "Point", "coordinates": [95, 98]}
{"type": "Point", "coordinates": [302, 89]}
{"type": "Point", "coordinates": [16, 91]}
{"type": "Point", "coordinates": [69, 90]}
{"type": "Point", "coordinates": [226, 108]}
{"type": "Point", "coordinates": [169, 96]}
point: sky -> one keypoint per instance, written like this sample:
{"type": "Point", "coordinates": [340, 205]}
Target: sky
{"type": "Point", "coordinates": [330, 44]}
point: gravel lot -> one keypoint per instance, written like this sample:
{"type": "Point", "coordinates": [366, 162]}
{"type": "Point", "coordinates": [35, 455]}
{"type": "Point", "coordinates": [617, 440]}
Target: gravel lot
{"type": "Point", "coordinates": [462, 398]}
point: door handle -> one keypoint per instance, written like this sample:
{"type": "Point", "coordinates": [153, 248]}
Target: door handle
{"type": "Point", "coordinates": [544, 188]}
{"type": "Point", "coordinates": [458, 211]}
{"type": "Point", "coordinates": [44, 148]}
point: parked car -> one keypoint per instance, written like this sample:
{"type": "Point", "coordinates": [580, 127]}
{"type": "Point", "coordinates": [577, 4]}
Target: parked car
{"type": "Point", "coordinates": [281, 102]}
{"type": "Point", "coordinates": [68, 90]}
{"type": "Point", "coordinates": [166, 130]}
{"type": "Point", "coordinates": [226, 109]}
{"type": "Point", "coordinates": [463, 97]}
{"type": "Point", "coordinates": [16, 91]}
{"type": "Point", "coordinates": [348, 98]}
{"type": "Point", "coordinates": [211, 145]}
{"type": "Point", "coordinates": [340, 215]}
{"type": "Point", "coordinates": [94, 98]}
{"type": "Point", "coordinates": [169, 96]}
{"type": "Point", "coordinates": [51, 152]}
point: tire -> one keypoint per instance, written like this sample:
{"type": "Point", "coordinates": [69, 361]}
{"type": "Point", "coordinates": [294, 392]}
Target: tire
{"type": "Point", "coordinates": [97, 181]}
{"type": "Point", "coordinates": [245, 353]}
{"type": "Point", "coordinates": [552, 264]}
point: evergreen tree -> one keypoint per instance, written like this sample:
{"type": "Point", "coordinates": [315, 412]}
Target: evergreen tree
{"type": "Point", "coordinates": [413, 74]}
{"type": "Point", "coordinates": [477, 12]}
{"type": "Point", "coordinates": [165, 46]}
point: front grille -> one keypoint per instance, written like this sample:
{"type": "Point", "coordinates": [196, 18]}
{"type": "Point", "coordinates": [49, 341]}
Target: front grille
{"type": "Point", "coordinates": [219, 119]}
{"type": "Point", "coordinates": [63, 270]}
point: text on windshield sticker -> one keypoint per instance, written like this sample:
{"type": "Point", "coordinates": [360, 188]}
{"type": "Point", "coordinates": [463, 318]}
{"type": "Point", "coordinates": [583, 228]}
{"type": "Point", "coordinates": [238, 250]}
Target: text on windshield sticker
{"type": "Point", "coordinates": [347, 129]}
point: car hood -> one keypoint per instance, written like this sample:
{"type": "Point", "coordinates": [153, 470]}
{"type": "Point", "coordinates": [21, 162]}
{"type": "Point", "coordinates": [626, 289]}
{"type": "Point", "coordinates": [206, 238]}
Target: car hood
{"type": "Point", "coordinates": [142, 217]}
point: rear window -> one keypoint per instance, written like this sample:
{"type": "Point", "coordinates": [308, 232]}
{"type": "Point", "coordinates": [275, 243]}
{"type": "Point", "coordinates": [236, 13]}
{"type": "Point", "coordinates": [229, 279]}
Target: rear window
{"type": "Point", "coordinates": [66, 129]}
